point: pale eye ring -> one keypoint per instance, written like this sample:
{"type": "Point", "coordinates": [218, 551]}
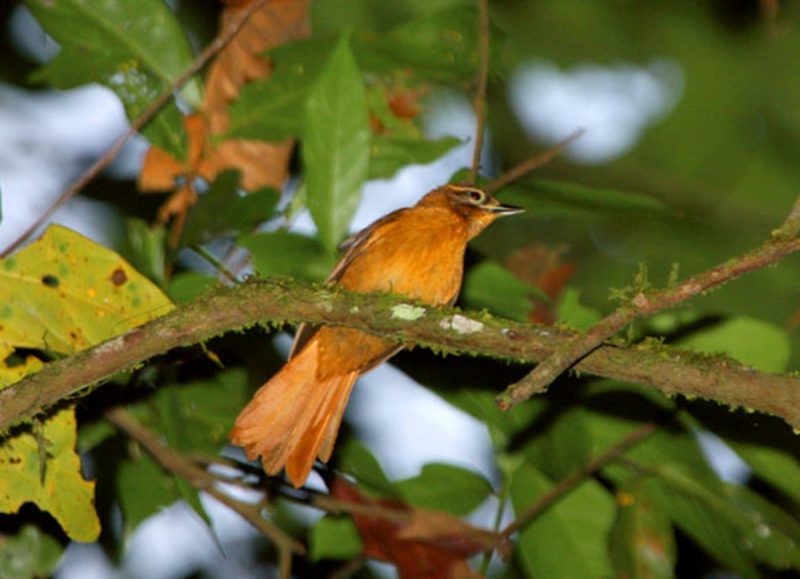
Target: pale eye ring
{"type": "Point", "coordinates": [476, 196]}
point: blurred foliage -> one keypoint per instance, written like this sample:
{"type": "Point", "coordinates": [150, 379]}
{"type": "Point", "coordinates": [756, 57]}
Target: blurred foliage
{"type": "Point", "coordinates": [707, 180]}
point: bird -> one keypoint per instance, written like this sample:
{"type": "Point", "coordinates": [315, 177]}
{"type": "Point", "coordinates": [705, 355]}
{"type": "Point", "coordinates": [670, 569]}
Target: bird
{"type": "Point", "coordinates": [416, 252]}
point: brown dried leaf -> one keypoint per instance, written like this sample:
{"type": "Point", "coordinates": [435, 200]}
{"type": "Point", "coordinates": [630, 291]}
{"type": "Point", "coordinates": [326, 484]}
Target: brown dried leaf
{"type": "Point", "coordinates": [261, 164]}
{"type": "Point", "coordinates": [542, 267]}
{"type": "Point", "coordinates": [428, 544]}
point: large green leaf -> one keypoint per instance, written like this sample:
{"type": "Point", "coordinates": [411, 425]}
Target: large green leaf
{"type": "Point", "coordinates": [547, 198]}
{"type": "Point", "coordinates": [273, 109]}
{"type": "Point", "coordinates": [642, 542]}
{"type": "Point", "coordinates": [489, 285]}
{"type": "Point", "coordinates": [569, 539]}
{"type": "Point", "coordinates": [135, 47]}
{"type": "Point", "coordinates": [354, 459]}
{"type": "Point", "coordinates": [390, 153]}
{"type": "Point", "coordinates": [445, 487]}
{"type": "Point", "coordinates": [759, 344]}
{"type": "Point", "coordinates": [143, 472]}
{"type": "Point", "coordinates": [732, 524]}
{"type": "Point", "coordinates": [335, 538]}
{"type": "Point", "coordinates": [289, 254]}
{"type": "Point", "coordinates": [441, 47]}
{"type": "Point", "coordinates": [336, 145]}
{"type": "Point", "coordinates": [197, 416]}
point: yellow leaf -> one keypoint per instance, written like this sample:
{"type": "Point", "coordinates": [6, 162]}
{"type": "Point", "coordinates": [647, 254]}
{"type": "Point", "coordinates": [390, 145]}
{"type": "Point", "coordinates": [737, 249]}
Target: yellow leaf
{"type": "Point", "coordinates": [62, 294]}
{"type": "Point", "coordinates": [63, 493]}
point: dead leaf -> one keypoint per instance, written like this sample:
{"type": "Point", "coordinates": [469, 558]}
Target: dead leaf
{"type": "Point", "coordinates": [429, 544]}
{"type": "Point", "coordinates": [542, 267]}
{"type": "Point", "coordinates": [261, 164]}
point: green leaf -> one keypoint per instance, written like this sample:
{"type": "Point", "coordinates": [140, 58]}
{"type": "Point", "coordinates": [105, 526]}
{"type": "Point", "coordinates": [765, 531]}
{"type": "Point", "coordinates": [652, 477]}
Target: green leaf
{"type": "Point", "coordinates": [28, 553]}
{"type": "Point", "coordinates": [642, 542]}
{"type": "Point", "coordinates": [222, 210]}
{"type": "Point", "coordinates": [135, 47]}
{"type": "Point", "coordinates": [57, 486]}
{"type": "Point", "coordinates": [134, 475]}
{"type": "Point", "coordinates": [197, 416]}
{"type": "Point", "coordinates": [766, 443]}
{"type": "Point", "coordinates": [503, 426]}
{"type": "Point", "coordinates": [546, 198]}
{"type": "Point", "coordinates": [569, 539]}
{"type": "Point", "coordinates": [489, 285]}
{"type": "Point", "coordinates": [354, 459]}
{"type": "Point", "coordinates": [186, 286]}
{"type": "Point", "coordinates": [64, 293]}
{"type": "Point", "coordinates": [327, 16]}
{"type": "Point", "coordinates": [289, 254]}
{"type": "Point", "coordinates": [390, 153]}
{"type": "Point", "coordinates": [573, 312]}
{"type": "Point", "coordinates": [336, 145]}
{"type": "Point", "coordinates": [756, 343]}
{"type": "Point", "coordinates": [706, 516]}
{"type": "Point", "coordinates": [146, 248]}
{"type": "Point", "coordinates": [442, 47]}
{"type": "Point", "coordinates": [616, 410]}
{"type": "Point", "coordinates": [335, 538]}
{"type": "Point", "coordinates": [445, 487]}
{"type": "Point", "coordinates": [273, 109]}
{"type": "Point", "coordinates": [769, 532]}
{"type": "Point", "coordinates": [562, 441]}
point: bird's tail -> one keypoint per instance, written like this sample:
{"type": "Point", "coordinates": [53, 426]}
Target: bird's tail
{"type": "Point", "coordinates": [294, 417]}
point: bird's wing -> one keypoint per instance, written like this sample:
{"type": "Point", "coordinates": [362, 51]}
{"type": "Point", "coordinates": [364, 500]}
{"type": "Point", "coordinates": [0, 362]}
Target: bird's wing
{"type": "Point", "coordinates": [354, 246]}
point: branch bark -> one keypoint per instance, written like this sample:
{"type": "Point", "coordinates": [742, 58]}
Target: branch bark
{"type": "Point", "coordinates": [784, 241]}
{"type": "Point", "coordinates": [447, 330]}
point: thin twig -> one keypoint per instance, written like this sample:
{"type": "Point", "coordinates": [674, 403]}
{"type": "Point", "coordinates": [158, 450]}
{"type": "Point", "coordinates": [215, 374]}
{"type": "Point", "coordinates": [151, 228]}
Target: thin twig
{"type": "Point", "coordinates": [204, 481]}
{"type": "Point", "coordinates": [337, 506]}
{"type": "Point", "coordinates": [783, 243]}
{"type": "Point", "coordinates": [571, 482]}
{"type": "Point", "coordinates": [149, 113]}
{"type": "Point", "coordinates": [216, 263]}
{"type": "Point", "coordinates": [480, 95]}
{"type": "Point", "coordinates": [535, 162]}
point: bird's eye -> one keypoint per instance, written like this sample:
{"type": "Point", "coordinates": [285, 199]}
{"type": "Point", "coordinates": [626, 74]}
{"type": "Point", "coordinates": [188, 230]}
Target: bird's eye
{"type": "Point", "coordinates": [476, 196]}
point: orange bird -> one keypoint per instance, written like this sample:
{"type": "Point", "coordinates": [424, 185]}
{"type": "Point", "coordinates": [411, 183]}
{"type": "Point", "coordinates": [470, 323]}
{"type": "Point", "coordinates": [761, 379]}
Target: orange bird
{"type": "Point", "coordinates": [416, 252]}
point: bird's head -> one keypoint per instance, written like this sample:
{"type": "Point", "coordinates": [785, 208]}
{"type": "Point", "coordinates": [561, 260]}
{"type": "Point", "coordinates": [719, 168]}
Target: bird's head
{"type": "Point", "coordinates": [477, 207]}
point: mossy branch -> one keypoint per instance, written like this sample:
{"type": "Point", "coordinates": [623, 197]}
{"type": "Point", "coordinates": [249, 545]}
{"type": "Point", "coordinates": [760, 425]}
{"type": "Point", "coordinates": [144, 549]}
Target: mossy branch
{"type": "Point", "coordinates": [448, 330]}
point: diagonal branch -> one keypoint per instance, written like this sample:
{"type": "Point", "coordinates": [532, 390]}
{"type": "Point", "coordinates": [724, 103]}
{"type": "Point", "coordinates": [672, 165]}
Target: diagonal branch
{"type": "Point", "coordinates": [447, 330]}
{"type": "Point", "coordinates": [202, 480]}
{"type": "Point", "coordinates": [566, 485]}
{"type": "Point", "coordinates": [784, 241]}
{"type": "Point", "coordinates": [147, 115]}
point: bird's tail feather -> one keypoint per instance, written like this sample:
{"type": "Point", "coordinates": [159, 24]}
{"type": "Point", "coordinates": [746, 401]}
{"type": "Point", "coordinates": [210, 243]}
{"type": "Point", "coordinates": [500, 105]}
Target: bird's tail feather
{"type": "Point", "coordinates": [294, 417]}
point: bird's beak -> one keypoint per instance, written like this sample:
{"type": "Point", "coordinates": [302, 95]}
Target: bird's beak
{"type": "Point", "coordinates": [501, 210]}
